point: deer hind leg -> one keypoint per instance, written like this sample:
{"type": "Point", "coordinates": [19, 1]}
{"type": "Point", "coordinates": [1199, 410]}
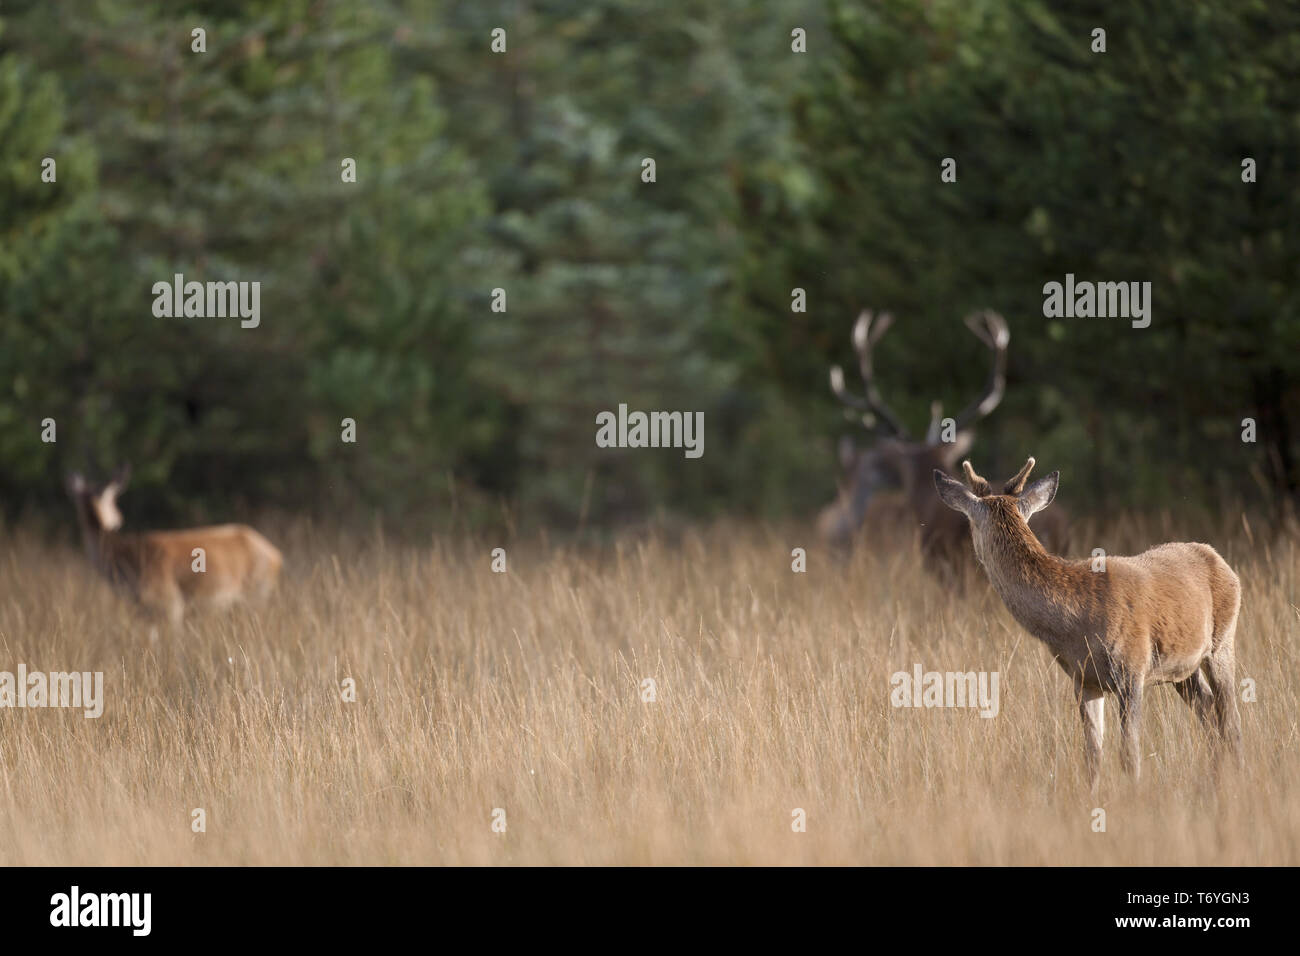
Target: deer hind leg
{"type": "Point", "coordinates": [1195, 691]}
{"type": "Point", "coordinates": [1092, 709]}
{"type": "Point", "coordinates": [264, 585]}
{"type": "Point", "coordinates": [1221, 666]}
{"type": "Point", "coordinates": [1130, 720]}
{"type": "Point", "coordinates": [267, 573]}
{"type": "Point", "coordinates": [1222, 672]}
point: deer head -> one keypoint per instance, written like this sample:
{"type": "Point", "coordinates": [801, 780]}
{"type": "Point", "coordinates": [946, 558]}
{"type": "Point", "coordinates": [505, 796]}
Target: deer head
{"type": "Point", "coordinates": [96, 505]}
{"type": "Point", "coordinates": [896, 460]}
{"type": "Point", "coordinates": [997, 521]}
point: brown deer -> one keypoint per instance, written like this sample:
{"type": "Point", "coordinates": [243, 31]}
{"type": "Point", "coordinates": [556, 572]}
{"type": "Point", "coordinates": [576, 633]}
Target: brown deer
{"type": "Point", "coordinates": [1167, 615]}
{"type": "Point", "coordinates": [164, 571]}
{"type": "Point", "coordinates": [897, 461]}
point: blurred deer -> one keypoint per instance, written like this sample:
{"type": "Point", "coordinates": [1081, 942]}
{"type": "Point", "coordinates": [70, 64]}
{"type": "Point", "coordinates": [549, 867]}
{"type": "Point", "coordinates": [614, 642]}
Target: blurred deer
{"type": "Point", "coordinates": [1168, 615]}
{"type": "Point", "coordinates": [165, 571]}
{"type": "Point", "coordinates": [898, 462]}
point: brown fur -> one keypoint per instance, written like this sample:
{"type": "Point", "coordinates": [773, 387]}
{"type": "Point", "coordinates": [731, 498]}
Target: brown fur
{"type": "Point", "coordinates": [157, 568]}
{"type": "Point", "coordinates": [1168, 615]}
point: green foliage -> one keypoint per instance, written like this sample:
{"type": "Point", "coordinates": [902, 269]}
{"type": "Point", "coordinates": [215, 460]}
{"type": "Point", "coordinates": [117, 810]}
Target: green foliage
{"type": "Point", "coordinates": [522, 172]}
{"type": "Point", "coordinates": [1121, 166]}
{"type": "Point", "coordinates": [230, 169]}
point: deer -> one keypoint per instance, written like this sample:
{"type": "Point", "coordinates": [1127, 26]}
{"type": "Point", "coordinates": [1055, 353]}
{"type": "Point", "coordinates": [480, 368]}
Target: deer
{"type": "Point", "coordinates": [166, 571]}
{"type": "Point", "coordinates": [897, 461]}
{"type": "Point", "coordinates": [1165, 616]}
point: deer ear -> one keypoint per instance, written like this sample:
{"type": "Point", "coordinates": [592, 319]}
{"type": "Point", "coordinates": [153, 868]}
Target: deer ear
{"type": "Point", "coordinates": [1038, 495]}
{"type": "Point", "coordinates": [954, 494]}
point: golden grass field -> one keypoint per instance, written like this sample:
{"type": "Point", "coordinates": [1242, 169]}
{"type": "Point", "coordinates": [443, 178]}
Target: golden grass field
{"type": "Point", "coordinates": [521, 691]}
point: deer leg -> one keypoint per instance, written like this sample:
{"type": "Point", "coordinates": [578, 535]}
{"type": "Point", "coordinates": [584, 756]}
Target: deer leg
{"type": "Point", "coordinates": [175, 612]}
{"type": "Point", "coordinates": [152, 614]}
{"type": "Point", "coordinates": [1195, 692]}
{"type": "Point", "coordinates": [163, 603]}
{"type": "Point", "coordinates": [1221, 670]}
{"type": "Point", "coordinates": [1092, 709]}
{"type": "Point", "coordinates": [1130, 721]}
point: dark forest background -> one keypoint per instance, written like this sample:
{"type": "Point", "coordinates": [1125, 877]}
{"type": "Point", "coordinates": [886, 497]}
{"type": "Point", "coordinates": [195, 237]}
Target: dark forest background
{"type": "Point", "coordinates": [775, 170]}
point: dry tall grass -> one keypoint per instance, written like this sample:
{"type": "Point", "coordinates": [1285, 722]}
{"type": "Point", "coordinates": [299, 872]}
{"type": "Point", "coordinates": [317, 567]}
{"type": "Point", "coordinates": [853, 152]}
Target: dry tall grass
{"type": "Point", "coordinates": [521, 691]}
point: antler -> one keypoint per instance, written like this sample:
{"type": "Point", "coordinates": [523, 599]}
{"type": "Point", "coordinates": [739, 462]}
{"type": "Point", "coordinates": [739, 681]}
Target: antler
{"type": "Point", "coordinates": [977, 484]}
{"type": "Point", "coordinates": [934, 431]}
{"type": "Point", "coordinates": [1017, 484]}
{"type": "Point", "coordinates": [864, 337]}
{"type": "Point", "coordinates": [991, 329]}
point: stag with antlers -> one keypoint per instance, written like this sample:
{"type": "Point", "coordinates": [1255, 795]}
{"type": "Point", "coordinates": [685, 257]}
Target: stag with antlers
{"type": "Point", "coordinates": [893, 475]}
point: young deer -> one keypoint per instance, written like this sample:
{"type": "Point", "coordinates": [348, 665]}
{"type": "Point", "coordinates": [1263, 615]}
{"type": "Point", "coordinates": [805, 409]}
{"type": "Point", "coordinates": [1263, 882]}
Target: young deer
{"type": "Point", "coordinates": [1168, 615]}
{"type": "Point", "coordinates": [161, 569]}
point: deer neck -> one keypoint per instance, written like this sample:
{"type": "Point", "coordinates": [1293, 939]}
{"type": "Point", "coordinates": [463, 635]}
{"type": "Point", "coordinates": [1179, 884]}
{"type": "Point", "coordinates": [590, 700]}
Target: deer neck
{"type": "Point", "coordinates": [1039, 589]}
{"type": "Point", "coordinates": [91, 536]}
{"type": "Point", "coordinates": [114, 555]}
